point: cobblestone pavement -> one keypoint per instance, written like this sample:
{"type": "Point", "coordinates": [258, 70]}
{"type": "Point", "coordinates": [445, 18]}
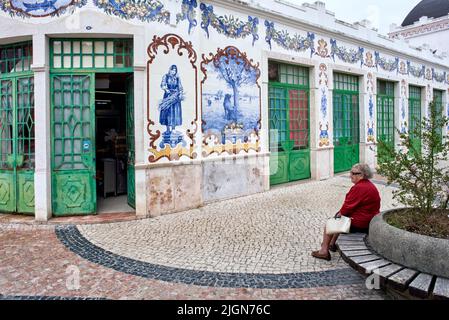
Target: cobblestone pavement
{"type": "Point", "coordinates": [265, 239]}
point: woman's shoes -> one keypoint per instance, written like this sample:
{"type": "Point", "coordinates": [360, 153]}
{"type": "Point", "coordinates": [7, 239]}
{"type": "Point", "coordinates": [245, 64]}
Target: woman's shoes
{"type": "Point", "coordinates": [318, 255]}
{"type": "Point", "coordinates": [333, 248]}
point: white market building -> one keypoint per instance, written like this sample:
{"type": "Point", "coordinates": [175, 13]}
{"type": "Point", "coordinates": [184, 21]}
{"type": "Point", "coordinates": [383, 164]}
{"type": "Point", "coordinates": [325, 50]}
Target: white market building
{"type": "Point", "coordinates": [176, 104]}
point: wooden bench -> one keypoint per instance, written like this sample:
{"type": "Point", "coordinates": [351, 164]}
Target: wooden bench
{"type": "Point", "coordinates": [395, 278]}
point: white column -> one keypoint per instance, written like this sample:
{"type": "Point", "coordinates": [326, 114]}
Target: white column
{"type": "Point", "coordinates": [42, 176]}
{"type": "Point", "coordinates": [140, 116]}
{"type": "Point", "coordinates": [321, 124]}
{"type": "Point", "coordinates": [368, 120]}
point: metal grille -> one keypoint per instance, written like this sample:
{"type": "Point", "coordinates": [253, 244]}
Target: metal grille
{"type": "Point", "coordinates": [25, 123]}
{"type": "Point", "coordinates": [16, 58]}
{"type": "Point", "coordinates": [6, 125]}
{"type": "Point", "coordinates": [130, 123]}
{"type": "Point", "coordinates": [92, 54]}
{"type": "Point", "coordinates": [385, 112]}
{"type": "Point", "coordinates": [438, 99]}
{"type": "Point", "coordinates": [346, 110]}
{"type": "Point", "coordinates": [414, 110]}
{"type": "Point", "coordinates": [72, 120]}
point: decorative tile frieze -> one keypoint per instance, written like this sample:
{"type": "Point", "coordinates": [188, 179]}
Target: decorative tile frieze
{"type": "Point", "coordinates": [228, 25]}
{"type": "Point", "coordinates": [438, 77]}
{"type": "Point", "coordinates": [188, 13]}
{"type": "Point", "coordinates": [324, 140]}
{"type": "Point", "coordinates": [291, 42]}
{"type": "Point", "coordinates": [144, 10]}
{"type": "Point", "coordinates": [346, 55]}
{"type": "Point", "coordinates": [385, 64]}
{"type": "Point", "coordinates": [370, 88]}
{"type": "Point", "coordinates": [417, 72]}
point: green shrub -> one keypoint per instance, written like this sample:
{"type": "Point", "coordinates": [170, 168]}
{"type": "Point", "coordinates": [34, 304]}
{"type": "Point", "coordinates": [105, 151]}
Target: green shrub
{"type": "Point", "coordinates": [419, 170]}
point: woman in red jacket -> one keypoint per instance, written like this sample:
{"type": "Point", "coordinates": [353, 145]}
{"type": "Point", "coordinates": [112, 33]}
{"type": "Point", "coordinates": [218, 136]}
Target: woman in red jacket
{"type": "Point", "coordinates": [362, 203]}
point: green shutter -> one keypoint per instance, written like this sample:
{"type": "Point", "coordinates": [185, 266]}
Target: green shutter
{"type": "Point", "coordinates": [385, 116]}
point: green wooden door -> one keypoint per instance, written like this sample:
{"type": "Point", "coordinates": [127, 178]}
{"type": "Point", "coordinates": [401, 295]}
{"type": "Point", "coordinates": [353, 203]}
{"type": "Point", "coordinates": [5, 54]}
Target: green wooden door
{"type": "Point", "coordinates": [17, 155]}
{"type": "Point", "coordinates": [414, 116]}
{"type": "Point", "coordinates": [130, 142]}
{"type": "Point", "coordinates": [289, 127]}
{"type": "Point", "coordinates": [346, 122]}
{"type": "Point", "coordinates": [73, 144]}
{"type": "Point", "coordinates": [385, 117]}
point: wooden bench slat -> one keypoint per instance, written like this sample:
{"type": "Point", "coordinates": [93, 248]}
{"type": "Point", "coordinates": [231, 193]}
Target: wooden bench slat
{"type": "Point", "coordinates": [441, 290]}
{"type": "Point", "coordinates": [363, 259]}
{"type": "Point", "coordinates": [401, 279]}
{"type": "Point", "coordinates": [370, 266]}
{"type": "Point", "coordinates": [352, 247]}
{"type": "Point", "coordinates": [421, 285]}
{"type": "Point", "coordinates": [356, 253]}
{"type": "Point", "coordinates": [388, 271]}
{"type": "Point", "coordinates": [351, 243]}
{"type": "Point", "coordinates": [352, 236]}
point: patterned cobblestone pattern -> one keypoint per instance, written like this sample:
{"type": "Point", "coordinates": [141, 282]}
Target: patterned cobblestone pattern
{"type": "Point", "coordinates": [79, 245]}
{"type": "Point", "coordinates": [34, 262]}
{"type": "Point", "coordinates": [271, 233]}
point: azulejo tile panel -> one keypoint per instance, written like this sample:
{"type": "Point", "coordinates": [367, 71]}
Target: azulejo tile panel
{"type": "Point", "coordinates": [38, 8]}
{"type": "Point", "coordinates": [172, 108]}
{"type": "Point", "coordinates": [228, 25]}
{"type": "Point", "coordinates": [438, 77]}
{"type": "Point", "coordinates": [188, 13]}
{"type": "Point", "coordinates": [324, 140]}
{"type": "Point", "coordinates": [231, 102]}
{"type": "Point", "coordinates": [370, 88]}
{"type": "Point", "coordinates": [289, 42]}
{"type": "Point", "coordinates": [144, 10]}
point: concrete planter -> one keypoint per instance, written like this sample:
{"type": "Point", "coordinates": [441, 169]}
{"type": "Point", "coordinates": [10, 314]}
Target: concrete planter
{"type": "Point", "coordinates": [423, 253]}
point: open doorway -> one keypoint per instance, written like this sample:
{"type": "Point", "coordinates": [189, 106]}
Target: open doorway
{"type": "Point", "coordinates": [114, 148]}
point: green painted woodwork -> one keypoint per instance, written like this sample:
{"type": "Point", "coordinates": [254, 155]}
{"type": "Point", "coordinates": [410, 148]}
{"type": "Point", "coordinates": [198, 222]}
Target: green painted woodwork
{"type": "Point", "coordinates": [130, 142]}
{"type": "Point", "coordinates": [385, 116]}
{"type": "Point", "coordinates": [17, 155]}
{"type": "Point", "coordinates": [99, 55]}
{"type": "Point", "coordinates": [346, 122]}
{"type": "Point", "coordinates": [16, 59]}
{"type": "Point", "coordinates": [414, 114]}
{"type": "Point", "coordinates": [289, 124]}
{"type": "Point", "coordinates": [73, 144]}
{"type": "Point", "coordinates": [438, 99]}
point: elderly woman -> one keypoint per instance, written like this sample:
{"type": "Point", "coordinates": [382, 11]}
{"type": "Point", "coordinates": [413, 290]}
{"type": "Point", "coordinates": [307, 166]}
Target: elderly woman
{"type": "Point", "coordinates": [362, 203]}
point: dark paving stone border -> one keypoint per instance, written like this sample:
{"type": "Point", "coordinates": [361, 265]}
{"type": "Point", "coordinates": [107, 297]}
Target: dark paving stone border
{"type": "Point", "coordinates": [77, 243]}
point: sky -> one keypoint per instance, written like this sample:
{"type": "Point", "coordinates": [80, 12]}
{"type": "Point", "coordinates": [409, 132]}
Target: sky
{"type": "Point", "coordinates": [381, 13]}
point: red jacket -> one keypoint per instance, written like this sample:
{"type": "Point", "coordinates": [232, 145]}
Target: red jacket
{"type": "Point", "coordinates": [362, 203]}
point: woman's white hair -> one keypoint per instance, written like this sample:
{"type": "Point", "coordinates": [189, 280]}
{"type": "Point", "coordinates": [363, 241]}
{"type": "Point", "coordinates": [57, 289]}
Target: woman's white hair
{"type": "Point", "coordinates": [366, 171]}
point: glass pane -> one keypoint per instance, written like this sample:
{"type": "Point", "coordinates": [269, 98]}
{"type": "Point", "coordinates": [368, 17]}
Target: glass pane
{"type": "Point", "coordinates": [76, 62]}
{"type": "Point", "coordinates": [57, 47]}
{"type": "Point", "coordinates": [67, 62]}
{"type": "Point", "coordinates": [87, 62]}
{"type": "Point", "coordinates": [76, 47]}
{"type": "Point", "coordinates": [87, 47]}
{"type": "Point", "coordinates": [57, 62]}
{"type": "Point", "coordinates": [99, 47]}
{"type": "Point", "coordinates": [99, 62]}
{"type": "Point", "coordinates": [67, 47]}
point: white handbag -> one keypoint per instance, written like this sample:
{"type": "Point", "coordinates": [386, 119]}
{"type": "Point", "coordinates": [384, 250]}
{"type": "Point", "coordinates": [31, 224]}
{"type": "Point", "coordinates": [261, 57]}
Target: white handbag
{"type": "Point", "coordinates": [337, 225]}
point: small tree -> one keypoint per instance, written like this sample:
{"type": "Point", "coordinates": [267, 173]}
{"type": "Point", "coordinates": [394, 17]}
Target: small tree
{"type": "Point", "coordinates": [420, 172]}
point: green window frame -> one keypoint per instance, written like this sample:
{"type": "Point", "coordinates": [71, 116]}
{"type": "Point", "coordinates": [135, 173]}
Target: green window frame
{"type": "Point", "coordinates": [109, 55]}
{"type": "Point", "coordinates": [289, 107]}
{"type": "Point", "coordinates": [385, 114]}
{"type": "Point", "coordinates": [346, 121]}
{"type": "Point", "coordinates": [438, 99]}
{"type": "Point", "coordinates": [414, 113]}
{"type": "Point", "coordinates": [16, 58]}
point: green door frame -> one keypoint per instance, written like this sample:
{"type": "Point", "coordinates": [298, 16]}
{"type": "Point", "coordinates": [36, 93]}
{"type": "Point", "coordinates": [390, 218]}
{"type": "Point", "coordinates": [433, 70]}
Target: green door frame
{"type": "Point", "coordinates": [72, 57]}
{"type": "Point", "coordinates": [17, 154]}
{"type": "Point", "coordinates": [385, 117]}
{"type": "Point", "coordinates": [292, 160]}
{"type": "Point", "coordinates": [346, 122]}
{"type": "Point", "coordinates": [130, 141]}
